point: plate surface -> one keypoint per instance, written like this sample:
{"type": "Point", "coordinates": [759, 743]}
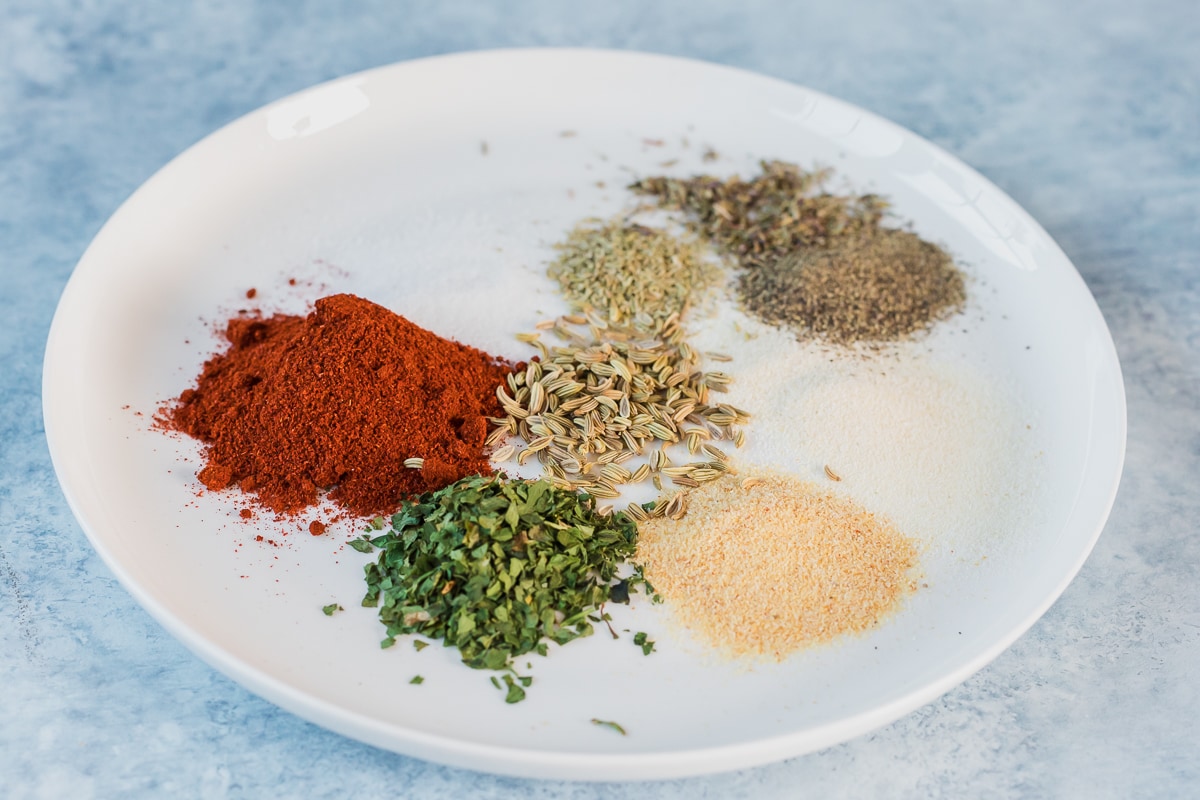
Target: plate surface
{"type": "Point", "coordinates": [438, 188]}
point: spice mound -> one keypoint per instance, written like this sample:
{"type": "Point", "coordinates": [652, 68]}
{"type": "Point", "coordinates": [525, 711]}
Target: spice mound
{"type": "Point", "coordinates": [337, 401]}
{"type": "Point", "coordinates": [879, 287]}
{"type": "Point", "coordinates": [780, 210]}
{"type": "Point", "coordinates": [495, 567]}
{"type": "Point", "coordinates": [766, 565]}
{"type": "Point", "coordinates": [632, 273]}
{"type": "Point", "coordinates": [596, 401]}
{"type": "Point", "coordinates": [818, 263]}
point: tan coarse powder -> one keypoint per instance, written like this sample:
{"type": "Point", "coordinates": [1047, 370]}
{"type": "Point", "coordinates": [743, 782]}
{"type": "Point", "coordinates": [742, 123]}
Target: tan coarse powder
{"type": "Point", "coordinates": [768, 564]}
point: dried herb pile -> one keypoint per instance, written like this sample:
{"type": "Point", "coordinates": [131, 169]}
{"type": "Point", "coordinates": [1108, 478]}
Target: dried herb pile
{"type": "Point", "coordinates": [497, 568]}
{"type": "Point", "coordinates": [631, 273]}
{"type": "Point", "coordinates": [771, 215]}
{"type": "Point", "coordinates": [819, 263]}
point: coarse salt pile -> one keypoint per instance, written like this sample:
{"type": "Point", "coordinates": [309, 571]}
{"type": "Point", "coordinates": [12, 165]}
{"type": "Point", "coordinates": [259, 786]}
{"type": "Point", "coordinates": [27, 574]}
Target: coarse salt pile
{"type": "Point", "coordinates": [767, 564]}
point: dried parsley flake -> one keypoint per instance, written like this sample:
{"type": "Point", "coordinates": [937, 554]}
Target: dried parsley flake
{"type": "Point", "coordinates": [605, 723]}
{"type": "Point", "coordinates": [497, 568]}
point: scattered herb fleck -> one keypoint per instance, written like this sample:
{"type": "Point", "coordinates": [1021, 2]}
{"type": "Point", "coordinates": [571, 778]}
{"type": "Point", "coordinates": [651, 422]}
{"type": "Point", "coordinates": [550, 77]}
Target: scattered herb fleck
{"type": "Point", "coordinates": [417, 679]}
{"type": "Point", "coordinates": [362, 545]}
{"type": "Point", "coordinates": [643, 641]}
{"type": "Point", "coordinates": [515, 693]}
{"type": "Point", "coordinates": [420, 644]}
{"type": "Point", "coordinates": [329, 609]}
{"type": "Point", "coordinates": [604, 723]}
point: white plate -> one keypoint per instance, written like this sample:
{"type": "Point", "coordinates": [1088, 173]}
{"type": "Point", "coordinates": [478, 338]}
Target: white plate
{"type": "Point", "coordinates": [381, 184]}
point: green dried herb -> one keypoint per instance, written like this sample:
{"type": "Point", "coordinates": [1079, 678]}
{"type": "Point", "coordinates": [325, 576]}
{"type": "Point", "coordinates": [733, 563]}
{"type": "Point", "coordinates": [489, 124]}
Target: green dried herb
{"type": "Point", "coordinates": [631, 273]}
{"type": "Point", "coordinates": [497, 568]}
{"type": "Point", "coordinates": [644, 641]}
{"type": "Point", "coordinates": [417, 679]}
{"type": "Point", "coordinates": [329, 609]}
{"type": "Point", "coordinates": [604, 723]}
{"type": "Point", "coordinates": [515, 693]}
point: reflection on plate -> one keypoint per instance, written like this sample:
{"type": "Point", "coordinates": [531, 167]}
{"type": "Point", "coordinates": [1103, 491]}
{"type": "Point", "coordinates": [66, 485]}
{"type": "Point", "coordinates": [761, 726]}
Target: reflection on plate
{"type": "Point", "coordinates": [438, 188]}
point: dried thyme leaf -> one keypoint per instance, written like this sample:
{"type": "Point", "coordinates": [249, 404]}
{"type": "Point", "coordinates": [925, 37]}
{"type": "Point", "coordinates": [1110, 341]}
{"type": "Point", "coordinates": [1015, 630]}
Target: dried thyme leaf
{"type": "Point", "coordinates": [497, 568]}
{"type": "Point", "coordinates": [778, 211]}
{"type": "Point", "coordinates": [628, 271]}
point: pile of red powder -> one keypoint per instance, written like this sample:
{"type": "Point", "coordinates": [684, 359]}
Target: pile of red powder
{"type": "Point", "coordinates": [336, 401]}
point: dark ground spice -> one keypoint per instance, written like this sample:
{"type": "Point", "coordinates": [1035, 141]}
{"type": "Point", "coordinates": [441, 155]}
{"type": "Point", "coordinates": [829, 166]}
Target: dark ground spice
{"type": "Point", "coordinates": [879, 287]}
{"type": "Point", "coordinates": [819, 263]}
{"type": "Point", "coordinates": [759, 220]}
{"type": "Point", "coordinates": [336, 401]}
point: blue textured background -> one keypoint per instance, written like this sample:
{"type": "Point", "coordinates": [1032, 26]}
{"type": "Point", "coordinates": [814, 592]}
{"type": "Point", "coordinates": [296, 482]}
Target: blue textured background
{"type": "Point", "coordinates": [1087, 113]}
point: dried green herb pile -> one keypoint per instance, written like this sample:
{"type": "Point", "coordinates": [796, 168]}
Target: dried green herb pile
{"type": "Point", "coordinates": [606, 394]}
{"type": "Point", "coordinates": [819, 263]}
{"type": "Point", "coordinates": [631, 273]}
{"type": "Point", "coordinates": [497, 568]}
{"type": "Point", "coordinates": [769, 216]}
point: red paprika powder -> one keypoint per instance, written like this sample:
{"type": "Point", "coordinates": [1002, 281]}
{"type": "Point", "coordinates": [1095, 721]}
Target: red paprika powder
{"type": "Point", "coordinates": [336, 401]}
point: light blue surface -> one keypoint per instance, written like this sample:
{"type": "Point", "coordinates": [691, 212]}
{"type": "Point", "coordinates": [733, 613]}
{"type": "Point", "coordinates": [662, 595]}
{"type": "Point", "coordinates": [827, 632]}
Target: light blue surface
{"type": "Point", "coordinates": [1088, 114]}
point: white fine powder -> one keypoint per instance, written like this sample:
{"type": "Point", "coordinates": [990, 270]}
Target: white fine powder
{"type": "Point", "coordinates": [917, 434]}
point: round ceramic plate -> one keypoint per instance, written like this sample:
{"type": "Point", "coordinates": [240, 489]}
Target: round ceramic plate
{"type": "Point", "coordinates": [438, 188]}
